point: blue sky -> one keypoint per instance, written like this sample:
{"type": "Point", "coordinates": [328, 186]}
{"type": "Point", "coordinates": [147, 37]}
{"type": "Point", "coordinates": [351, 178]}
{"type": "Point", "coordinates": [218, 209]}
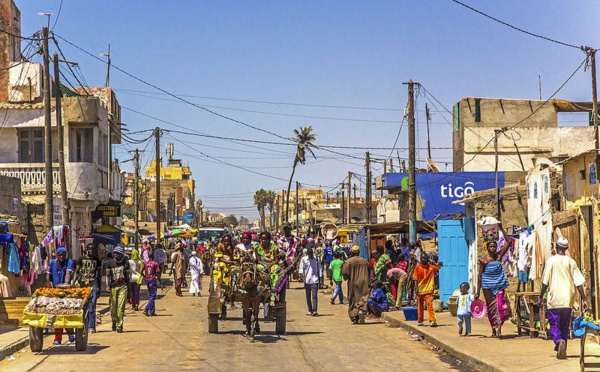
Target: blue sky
{"type": "Point", "coordinates": [301, 55]}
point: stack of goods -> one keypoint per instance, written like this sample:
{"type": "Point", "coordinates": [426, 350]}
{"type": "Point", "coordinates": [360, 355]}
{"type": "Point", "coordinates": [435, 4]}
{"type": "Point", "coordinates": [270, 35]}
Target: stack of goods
{"type": "Point", "coordinates": [56, 301]}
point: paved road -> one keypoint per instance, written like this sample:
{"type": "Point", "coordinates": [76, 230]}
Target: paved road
{"type": "Point", "coordinates": [177, 339]}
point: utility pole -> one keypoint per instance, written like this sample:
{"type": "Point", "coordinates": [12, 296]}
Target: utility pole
{"type": "Point", "coordinates": [592, 55]}
{"type": "Point", "coordinates": [61, 150]}
{"type": "Point", "coordinates": [47, 132]}
{"type": "Point", "coordinates": [157, 170]}
{"type": "Point", "coordinates": [136, 199]}
{"type": "Point", "coordinates": [412, 189]}
{"type": "Point", "coordinates": [355, 193]}
{"type": "Point", "coordinates": [296, 200]}
{"type": "Point", "coordinates": [368, 187]}
{"type": "Point", "coordinates": [343, 206]}
{"type": "Point", "coordinates": [428, 117]}
{"type": "Point", "coordinates": [277, 214]}
{"type": "Point", "coordinates": [498, 211]}
{"type": "Point", "coordinates": [348, 218]}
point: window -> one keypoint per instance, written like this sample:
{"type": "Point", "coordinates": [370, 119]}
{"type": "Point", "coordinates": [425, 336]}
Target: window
{"type": "Point", "coordinates": [31, 145]}
{"type": "Point", "coordinates": [477, 110]}
{"type": "Point", "coordinates": [82, 148]}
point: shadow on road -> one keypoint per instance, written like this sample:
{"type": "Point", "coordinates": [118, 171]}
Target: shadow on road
{"type": "Point", "coordinates": [70, 349]}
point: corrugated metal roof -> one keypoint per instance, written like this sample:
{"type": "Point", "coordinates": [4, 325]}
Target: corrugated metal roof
{"type": "Point", "coordinates": [578, 155]}
{"type": "Point", "coordinates": [66, 91]}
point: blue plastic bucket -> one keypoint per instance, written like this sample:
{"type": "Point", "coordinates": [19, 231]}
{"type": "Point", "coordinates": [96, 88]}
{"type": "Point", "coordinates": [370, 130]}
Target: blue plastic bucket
{"type": "Point", "coordinates": [410, 313]}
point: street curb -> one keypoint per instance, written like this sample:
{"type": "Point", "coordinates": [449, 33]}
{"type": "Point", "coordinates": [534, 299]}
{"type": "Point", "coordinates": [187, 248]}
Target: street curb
{"type": "Point", "coordinates": [473, 361]}
{"type": "Point", "coordinates": [13, 348]}
{"type": "Point", "coordinates": [9, 350]}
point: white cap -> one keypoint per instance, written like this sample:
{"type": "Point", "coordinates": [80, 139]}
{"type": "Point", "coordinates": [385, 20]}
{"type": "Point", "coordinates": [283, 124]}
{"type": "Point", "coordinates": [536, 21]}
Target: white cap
{"type": "Point", "coordinates": [562, 242]}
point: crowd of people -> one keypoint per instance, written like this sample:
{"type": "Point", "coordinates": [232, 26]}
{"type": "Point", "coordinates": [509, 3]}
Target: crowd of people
{"type": "Point", "coordinates": [398, 273]}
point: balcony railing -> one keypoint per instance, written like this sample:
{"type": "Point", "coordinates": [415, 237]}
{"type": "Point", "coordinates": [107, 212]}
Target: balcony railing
{"type": "Point", "coordinates": [32, 175]}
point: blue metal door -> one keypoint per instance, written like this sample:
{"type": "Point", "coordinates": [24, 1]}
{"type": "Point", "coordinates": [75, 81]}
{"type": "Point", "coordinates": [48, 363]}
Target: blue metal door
{"type": "Point", "coordinates": [453, 251]}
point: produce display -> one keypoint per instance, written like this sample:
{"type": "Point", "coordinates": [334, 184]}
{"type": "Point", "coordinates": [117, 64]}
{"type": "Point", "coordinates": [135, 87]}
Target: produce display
{"type": "Point", "coordinates": [57, 301]}
{"type": "Point", "coordinates": [588, 317]}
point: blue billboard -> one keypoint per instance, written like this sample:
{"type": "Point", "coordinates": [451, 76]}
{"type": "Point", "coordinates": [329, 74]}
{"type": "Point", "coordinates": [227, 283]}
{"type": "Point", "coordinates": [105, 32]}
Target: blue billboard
{"type": "Point", "coordinates": [437, 190]}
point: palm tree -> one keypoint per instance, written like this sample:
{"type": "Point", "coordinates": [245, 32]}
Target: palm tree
{"type": "Point", "coordinates": [304, 138]}
{"type": "Point", "coordinates": [260, 200]}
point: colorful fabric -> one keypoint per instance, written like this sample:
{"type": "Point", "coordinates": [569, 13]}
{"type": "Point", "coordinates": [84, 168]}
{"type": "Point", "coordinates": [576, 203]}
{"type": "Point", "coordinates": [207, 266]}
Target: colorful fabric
{"type": "Point", "coordinates": [336, 270]}
{"type": "Point", "coordinates": [380, 267]}
{"type": "Point", "coordinates": [379, 300]}
{"type": "Point", "coordinates": [14, 265]}
{"type": "Point", "coordinates": [58, 270]}
{"type": "Point", "coordinates": [498, 310]}
{"type": "Point", "coordinates": [428, 299]}
{"type": "Point", "coordinates": [493, 277]}
{"type": "Point", "coordinates": [559, 320]}
{"type": "Point", "coordinates": [118, 300]}
{"type": "Point", "coordinates": [425, 277]}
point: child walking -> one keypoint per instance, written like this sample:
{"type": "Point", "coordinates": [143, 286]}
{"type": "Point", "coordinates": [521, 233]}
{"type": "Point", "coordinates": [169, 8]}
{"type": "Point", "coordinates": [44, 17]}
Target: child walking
{"type": "Point", "coordinates": [463, 311]}
{"type": "Point", "coordinates": [424, 274]}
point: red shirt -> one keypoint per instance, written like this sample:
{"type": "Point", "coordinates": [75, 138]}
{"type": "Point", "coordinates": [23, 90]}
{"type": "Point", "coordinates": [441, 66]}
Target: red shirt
{"type": "Point", "coordinates": [150, 270]}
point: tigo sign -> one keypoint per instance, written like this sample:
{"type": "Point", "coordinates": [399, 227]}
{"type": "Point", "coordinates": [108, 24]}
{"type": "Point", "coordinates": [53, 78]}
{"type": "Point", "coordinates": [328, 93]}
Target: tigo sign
{"type": "Point", "coordinates": [437, 190]}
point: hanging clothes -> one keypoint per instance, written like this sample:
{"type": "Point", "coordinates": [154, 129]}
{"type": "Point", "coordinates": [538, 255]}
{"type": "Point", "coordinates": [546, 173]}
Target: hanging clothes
{"type": "Point", "coordinates": [37, 261]}
{"type": "Point", "coordinates": [48, 239]}
{"type": "Point", "coordinates": [512, 258]}
{"type": "Point", "coordinates": [5, 290]}
{"type": "Point", "coordinates": [13, 259]}
{"type": "Point", "coordinates": [537, 257]}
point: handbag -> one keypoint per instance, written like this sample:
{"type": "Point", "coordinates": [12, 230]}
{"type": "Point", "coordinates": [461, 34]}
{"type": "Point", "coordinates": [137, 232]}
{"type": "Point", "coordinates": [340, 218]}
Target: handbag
{"type": "Point", "coordinates": [140, 279]}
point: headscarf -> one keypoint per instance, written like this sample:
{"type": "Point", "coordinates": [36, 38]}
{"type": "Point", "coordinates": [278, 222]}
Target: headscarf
{"type": "Point", "coordinates": [135, 255]}
{"type": "Point", "coordinates": [247, 234]}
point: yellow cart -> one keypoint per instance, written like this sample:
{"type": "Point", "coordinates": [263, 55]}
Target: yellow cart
{"type": "Point", "coordinates": [38, 322]}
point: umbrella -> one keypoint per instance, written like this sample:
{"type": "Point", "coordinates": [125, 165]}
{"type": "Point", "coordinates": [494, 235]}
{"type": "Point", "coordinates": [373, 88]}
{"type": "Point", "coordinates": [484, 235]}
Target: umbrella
{"type": "Point", "coordinates": [176, 232]}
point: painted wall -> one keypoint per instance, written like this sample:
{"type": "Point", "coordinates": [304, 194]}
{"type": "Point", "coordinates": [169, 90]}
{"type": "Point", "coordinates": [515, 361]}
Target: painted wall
{"type": "Point", "coordinates": [537, 134]}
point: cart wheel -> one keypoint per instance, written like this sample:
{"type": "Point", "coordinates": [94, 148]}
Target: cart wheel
{"type": "Point", "coordinates": [36, 339]}
{"type": "Point", "coordinates": [213, 323]}
{"type": "Point", "coordinates": [280, 321]}
{"type": "Point", "coordinates": [81, 338]}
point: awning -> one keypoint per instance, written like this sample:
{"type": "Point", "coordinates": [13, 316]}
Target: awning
{"type": "Point", "coordinates": [401, 227]}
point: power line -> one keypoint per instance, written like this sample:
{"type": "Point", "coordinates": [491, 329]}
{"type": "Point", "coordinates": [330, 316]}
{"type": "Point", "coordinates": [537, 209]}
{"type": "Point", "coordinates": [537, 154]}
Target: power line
{"type": "Point", "coordinates": [279, 113]}
{"type": "Point", "coordinates": [271, 102]}
{"type": "Point", "coordinates": [515, 27]}
{"type": "Point", "coordinates": [175, 96]}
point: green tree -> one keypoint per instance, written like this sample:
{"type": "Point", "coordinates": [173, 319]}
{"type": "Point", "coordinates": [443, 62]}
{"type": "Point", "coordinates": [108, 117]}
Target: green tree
{"type": "Point", "coordinates": [231, 220]}
{"type": "Point", "coordinates": [305, 140]}
{"type": "Point", "coordinates": [260, 200]}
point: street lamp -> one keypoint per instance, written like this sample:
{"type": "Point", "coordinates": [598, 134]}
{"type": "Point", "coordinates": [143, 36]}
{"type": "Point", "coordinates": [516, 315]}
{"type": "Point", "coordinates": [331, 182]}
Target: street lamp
{"type": "Point", "coordinates": [46, 15]}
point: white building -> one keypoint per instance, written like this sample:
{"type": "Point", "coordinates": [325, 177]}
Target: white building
{"type": "Point", "coordinates": [91, 125]}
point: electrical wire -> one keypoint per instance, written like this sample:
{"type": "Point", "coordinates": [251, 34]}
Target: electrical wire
{"type": "Point", "coordinates": [277, 113]}
{"type": "Point", "coordinates": [270, 102]}
{"type": "Point", "coordinates": [515, 27]}
{"type": "Point", "coordinates": [175, 96]}
{"type": "Point", "coordinates": [58, 15]}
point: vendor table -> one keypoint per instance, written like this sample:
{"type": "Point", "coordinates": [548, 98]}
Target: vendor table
{"type": "Point", "coordinates": [528, 301]}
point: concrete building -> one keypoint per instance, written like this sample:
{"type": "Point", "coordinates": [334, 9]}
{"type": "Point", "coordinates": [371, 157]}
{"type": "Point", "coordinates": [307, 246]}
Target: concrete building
{"type": "Point", "coordinates": [536, 133]}
{"type": "Point", "coordinates": [90, 127]}
{"type": "Point", "coordinates": [578, 220]}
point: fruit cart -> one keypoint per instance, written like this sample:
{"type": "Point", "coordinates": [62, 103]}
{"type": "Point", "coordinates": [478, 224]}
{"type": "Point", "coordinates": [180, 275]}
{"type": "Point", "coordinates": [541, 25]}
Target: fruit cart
{"type": "Point", "coordinates": [57, 308]}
